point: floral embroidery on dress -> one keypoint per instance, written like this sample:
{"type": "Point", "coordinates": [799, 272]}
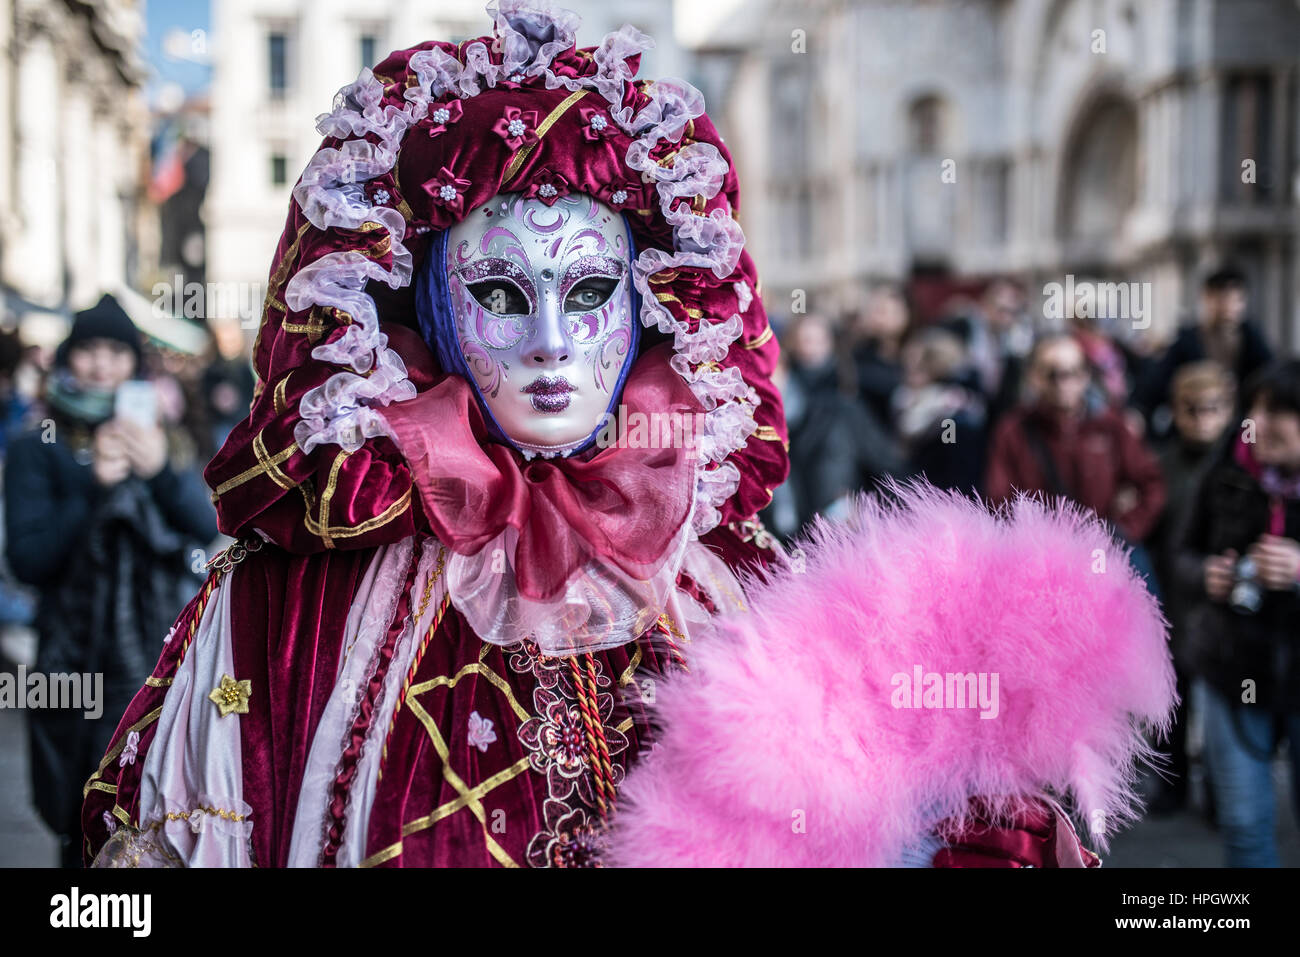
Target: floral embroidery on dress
{"type": "Point", "coordinates": [556, 741]}
{"type": "Point", "coordinates": [525, 659]}
{"type": "Point", "coordinates": [569, 839]}
{"type": "Point", "coordinates": [559, 738]}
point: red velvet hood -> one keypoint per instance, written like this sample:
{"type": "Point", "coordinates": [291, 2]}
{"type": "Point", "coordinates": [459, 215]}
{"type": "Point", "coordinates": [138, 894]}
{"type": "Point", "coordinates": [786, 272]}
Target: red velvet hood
{"type": "Point", "coordinates": [314, 465]}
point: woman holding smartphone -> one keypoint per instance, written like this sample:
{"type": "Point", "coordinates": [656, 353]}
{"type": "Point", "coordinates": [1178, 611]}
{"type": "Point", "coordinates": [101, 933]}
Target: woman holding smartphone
{"type": "Point", "coordinates": [105, 528]}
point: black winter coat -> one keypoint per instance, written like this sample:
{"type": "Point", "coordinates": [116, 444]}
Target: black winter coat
{"type": "Point", "coordinates": [1230, 510]}
{"type": "Point", "coordinates": [115, 567]}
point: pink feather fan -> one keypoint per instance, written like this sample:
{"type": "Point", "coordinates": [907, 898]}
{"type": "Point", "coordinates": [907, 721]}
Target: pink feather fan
{"type": "Point", "coordinates": [802, 737]}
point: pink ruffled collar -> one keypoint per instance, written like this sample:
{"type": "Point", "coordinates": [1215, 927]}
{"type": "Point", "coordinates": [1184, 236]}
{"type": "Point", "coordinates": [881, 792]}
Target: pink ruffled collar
{"type": "Point", "coordinates": [620, 505]}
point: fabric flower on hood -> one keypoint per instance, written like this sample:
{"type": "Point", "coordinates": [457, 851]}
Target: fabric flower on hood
{"type": "Point", "coordinates": [517, 127]}
{"type": "Point", "coordinates": [447, 190]}
{"type": "Point", "coordinates": [548, 187]}
{"type": "Point", "coordinates": [443, 116]}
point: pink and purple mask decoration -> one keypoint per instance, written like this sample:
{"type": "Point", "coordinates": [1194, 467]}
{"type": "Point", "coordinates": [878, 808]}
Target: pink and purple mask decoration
{"type": "Point", "coordinates": [534, 305]}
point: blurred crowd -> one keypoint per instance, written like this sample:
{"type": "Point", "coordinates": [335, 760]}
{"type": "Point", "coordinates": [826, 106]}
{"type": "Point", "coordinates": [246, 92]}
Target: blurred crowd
{"type": "Point", "coordinates": [1189, 452]}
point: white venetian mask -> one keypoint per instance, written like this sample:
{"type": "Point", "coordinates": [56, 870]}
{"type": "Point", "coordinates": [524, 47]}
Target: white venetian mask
{"type": "Point", "coordinates": [543, 308]}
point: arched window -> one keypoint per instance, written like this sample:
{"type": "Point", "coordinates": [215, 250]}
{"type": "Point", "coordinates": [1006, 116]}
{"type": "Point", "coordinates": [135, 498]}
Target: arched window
{"type": "Point", "coordinates": [927, 125]}
{"type": "Point", "coordinates": [1099, 185]}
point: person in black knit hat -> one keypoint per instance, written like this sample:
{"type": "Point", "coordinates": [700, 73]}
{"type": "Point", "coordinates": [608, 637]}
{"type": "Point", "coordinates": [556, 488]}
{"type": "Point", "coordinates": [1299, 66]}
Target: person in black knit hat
{"type": "Point", "coordinates": [106, 321]}
{"type": "Point", "coordinates": [99, 521]}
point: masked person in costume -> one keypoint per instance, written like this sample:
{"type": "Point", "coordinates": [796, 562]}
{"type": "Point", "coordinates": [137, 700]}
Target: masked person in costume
{"type": "Point", "coordinates": [513, 425]}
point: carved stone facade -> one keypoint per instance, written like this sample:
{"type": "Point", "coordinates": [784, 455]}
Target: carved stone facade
{"type": "Point", "coordinates": [1111, 138]}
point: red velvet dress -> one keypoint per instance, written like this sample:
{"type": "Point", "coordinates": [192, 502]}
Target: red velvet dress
{"type": "Point", "coordinates": [564, 731]}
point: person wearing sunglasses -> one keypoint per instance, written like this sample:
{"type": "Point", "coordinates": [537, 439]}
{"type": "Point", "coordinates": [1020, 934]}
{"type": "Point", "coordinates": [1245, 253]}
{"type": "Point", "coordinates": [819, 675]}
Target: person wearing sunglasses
{"type": "Point", "coordinates": [1053, 444]}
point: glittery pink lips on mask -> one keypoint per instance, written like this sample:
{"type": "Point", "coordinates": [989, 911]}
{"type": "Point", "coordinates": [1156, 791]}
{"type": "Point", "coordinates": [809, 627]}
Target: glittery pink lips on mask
{"type": "Point", "coordinates": [550, 394]}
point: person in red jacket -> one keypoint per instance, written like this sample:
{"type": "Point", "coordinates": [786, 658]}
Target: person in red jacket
{"type": "Point", "coordinates": [1055, 444]}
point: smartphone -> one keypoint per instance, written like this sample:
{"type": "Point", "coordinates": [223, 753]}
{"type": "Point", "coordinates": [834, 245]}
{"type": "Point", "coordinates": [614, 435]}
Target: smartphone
{"type": "Point", "coordinates": [137, 401]}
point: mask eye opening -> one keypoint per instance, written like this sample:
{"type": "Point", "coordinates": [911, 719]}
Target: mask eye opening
{"type": "Point", "coordinates": [590, 293]}
{"type": "Point", "coordinates": [501, 297]}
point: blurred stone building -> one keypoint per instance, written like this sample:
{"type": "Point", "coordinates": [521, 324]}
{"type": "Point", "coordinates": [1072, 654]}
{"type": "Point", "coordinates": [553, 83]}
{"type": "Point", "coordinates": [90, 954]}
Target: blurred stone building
{"type": "Point", "coordinates": [73, 154]}
{"type": "Point", "coordinates": [1127, 140]}
{"type": "Point", "coordinates": [277, 65]}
